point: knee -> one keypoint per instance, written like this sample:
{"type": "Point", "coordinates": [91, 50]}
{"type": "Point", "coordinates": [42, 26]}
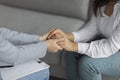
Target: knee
{"type": "Point", "coordinates": [85, 61]}
{"type": "Point", "coordinates": [87, 64]}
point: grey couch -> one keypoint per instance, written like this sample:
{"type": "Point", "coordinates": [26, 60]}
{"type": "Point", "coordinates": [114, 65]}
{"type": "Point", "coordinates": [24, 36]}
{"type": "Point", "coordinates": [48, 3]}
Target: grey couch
{"type": "Point", "coordinates": [40, 16]}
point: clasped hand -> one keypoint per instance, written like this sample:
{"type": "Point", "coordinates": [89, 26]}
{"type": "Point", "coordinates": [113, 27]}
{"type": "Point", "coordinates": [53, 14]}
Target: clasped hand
{"type": "Point", "coordinates": [57, 40]}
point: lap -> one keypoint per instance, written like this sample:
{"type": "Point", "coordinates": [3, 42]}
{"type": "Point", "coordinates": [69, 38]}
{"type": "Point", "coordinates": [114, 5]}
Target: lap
{"type": "Point", "coordinates": [41, 75]}
{"type": "Point", "coordinates": [108, 66]}
{"type": "Point", "coordinates": [114, 59]}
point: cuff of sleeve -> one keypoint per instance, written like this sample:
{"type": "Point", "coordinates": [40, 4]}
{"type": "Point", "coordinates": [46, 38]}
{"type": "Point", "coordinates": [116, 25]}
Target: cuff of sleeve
{"type": "Point", "coordinates": [41, 49]}
{"type": "Point", "coordinates": [76, 36]}
{"type": "Point", "coordinates": [31, 52]}
{"type": "Point", "coordinates": [37, 38]}
{"type": "Point", "coordinates": [83, 47]}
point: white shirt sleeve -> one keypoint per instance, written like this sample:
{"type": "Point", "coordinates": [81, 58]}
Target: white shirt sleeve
{"type": "Point", "coordinates": [88, 31]}
{"type": "Point", "coordinates": [102, 48]}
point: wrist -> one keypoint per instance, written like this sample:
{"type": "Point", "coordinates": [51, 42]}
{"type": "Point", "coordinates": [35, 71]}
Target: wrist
{"type": "Point", "coordinates": [41, 38]}
{"type": "Point", "coordinates": [70, 36]}
{"type": "Point", "coordinates": [47, 43]}
{"type": "Point", "coordinates": [75, 47]}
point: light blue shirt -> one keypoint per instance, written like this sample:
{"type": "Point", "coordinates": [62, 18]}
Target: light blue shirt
{"type": "Point", "coordinates": [17, 48]}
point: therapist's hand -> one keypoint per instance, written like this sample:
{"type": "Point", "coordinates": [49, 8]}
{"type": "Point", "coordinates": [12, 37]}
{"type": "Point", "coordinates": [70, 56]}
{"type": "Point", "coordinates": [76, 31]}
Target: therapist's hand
{"type": "Point", "coordinates": [68, 45]}
{"type": "Point", "coordinates": [52, 45]}
{"type": "Point", "coordinates": [58, 33]}
{"type": "Point", "coordinates": [44, 37]}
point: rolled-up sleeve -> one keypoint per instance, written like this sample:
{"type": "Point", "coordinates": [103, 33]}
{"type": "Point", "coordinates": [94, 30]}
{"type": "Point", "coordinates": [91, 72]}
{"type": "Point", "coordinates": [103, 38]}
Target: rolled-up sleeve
{"type": "Point", "coordinates": [102, 48]}
{"type": "Point", "coordinates": [88, 31]}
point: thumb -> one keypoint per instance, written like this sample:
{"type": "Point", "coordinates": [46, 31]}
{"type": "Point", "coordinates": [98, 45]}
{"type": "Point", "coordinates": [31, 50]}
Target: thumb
{"type": "Point", "coordinates": [50, 32]}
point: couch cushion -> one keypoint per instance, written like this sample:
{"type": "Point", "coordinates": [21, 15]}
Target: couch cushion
{"type": "Point", "coordinates": [73, 8]}
{"type": "Point", "coordinates": [36, 23]}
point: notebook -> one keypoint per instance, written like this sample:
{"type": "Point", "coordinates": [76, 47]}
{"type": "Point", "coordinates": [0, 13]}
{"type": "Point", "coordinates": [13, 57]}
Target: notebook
{"type": "Point", "coordinates": [22, 70]}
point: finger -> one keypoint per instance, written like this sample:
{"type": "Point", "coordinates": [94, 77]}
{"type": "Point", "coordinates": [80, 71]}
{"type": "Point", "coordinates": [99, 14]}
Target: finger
{"type": "Point", "coordinates": [60, 43]}
{"type": "Point", "coordinates": [60, 40]}
{"type": "Point", "coordinates": [50, 32]}
{"type": "Point", "coordinates": [62, 46]}
{"type": "Point", "coordinates": [58, 36]}
{"type": "Point", "coordinates": [52, 37]}
{"type": "Point", "coordinates": [59, 48]}
{"type": "Point", "coordinates": [53, 32]}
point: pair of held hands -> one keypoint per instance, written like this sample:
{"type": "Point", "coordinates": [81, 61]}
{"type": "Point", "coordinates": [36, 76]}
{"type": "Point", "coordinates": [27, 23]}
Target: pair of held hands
{"type": "Point", "coordinates": [57, 40]}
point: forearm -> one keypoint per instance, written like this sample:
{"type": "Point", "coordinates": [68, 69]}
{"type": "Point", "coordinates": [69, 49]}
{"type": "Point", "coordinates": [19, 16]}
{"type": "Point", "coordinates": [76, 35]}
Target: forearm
{"type": "Point", "coordinates": [87, 32]}
{"type": "Point", "coordinates": [31, 52]}
{"type": "Point", "coordinates": [18, 37]}
{"type": "Point", "coordinates": [12, 54]}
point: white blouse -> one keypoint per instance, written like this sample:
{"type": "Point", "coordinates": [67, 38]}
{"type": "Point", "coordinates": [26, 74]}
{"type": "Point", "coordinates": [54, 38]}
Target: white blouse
{"type": "Point", "coordinates": [108, 26]}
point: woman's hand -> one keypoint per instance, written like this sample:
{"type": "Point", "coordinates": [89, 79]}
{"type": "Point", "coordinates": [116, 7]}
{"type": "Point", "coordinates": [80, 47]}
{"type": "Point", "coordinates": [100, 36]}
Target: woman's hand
{"type": "Point", "coordinates": [57, 33]}
{"type": "Point", "coordinates": [52, 45]}
{"type": "Point", "coordinates": [68, 45]}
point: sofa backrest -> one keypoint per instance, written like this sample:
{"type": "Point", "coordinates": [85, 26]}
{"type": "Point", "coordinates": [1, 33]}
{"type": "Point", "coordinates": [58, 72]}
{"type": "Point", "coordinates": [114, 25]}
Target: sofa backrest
{"type": "Point", "coordinates": [72, 8]}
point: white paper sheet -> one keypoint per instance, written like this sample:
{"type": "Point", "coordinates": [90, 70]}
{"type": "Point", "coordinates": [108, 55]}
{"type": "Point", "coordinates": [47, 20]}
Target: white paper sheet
{"type": "Point", "coordinates": [4, 64]}
{"type": "Point", "coordinates": [23, 70]}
